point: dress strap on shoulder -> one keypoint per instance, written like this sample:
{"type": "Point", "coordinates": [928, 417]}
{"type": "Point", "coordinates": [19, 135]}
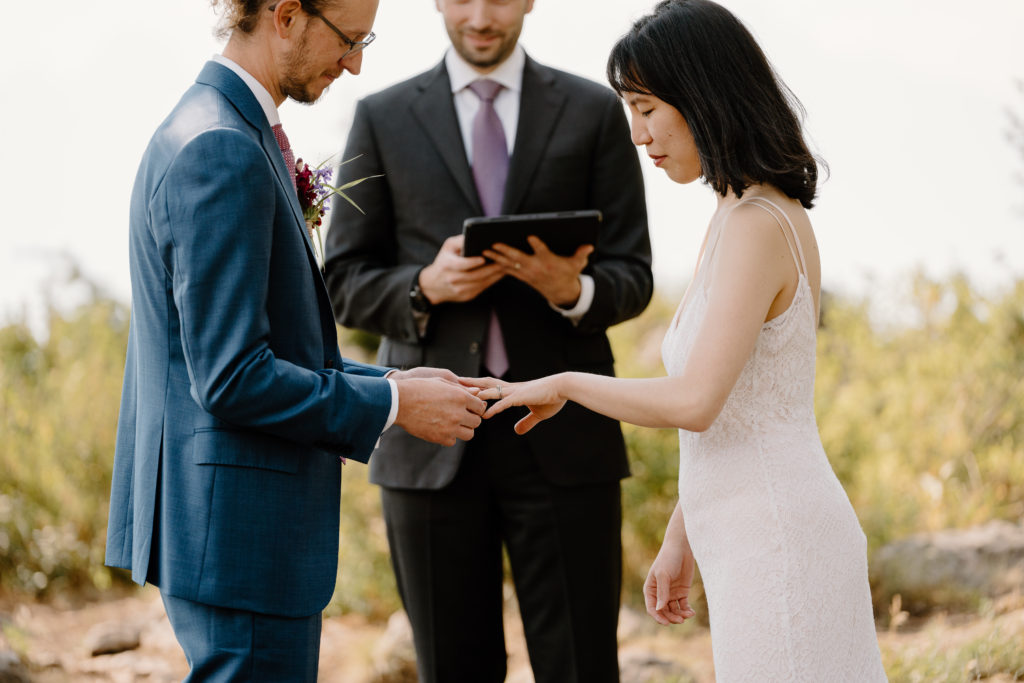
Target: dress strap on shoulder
{"type": "Point", "coordinates": [792, 238]}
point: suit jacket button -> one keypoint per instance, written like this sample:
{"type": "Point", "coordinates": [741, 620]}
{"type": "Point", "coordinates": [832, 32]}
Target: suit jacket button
{"type": "Point", "coordinates": [330, 364]}
{"type": "Point", "coordinates": [474, 348]}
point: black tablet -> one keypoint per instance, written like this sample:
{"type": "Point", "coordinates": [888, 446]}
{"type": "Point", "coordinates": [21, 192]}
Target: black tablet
{"type": "Point", "coordinates": [563, 231]}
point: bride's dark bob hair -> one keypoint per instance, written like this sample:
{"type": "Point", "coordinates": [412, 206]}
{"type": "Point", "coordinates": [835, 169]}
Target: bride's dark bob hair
{"type": "Point", "coordinates": [699, 58]}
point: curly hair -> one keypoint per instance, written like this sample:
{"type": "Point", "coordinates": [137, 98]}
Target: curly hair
{"type": "Point", "coordinates": [698, 57]}
{"type": "Point", "coordinates": [244, 15]}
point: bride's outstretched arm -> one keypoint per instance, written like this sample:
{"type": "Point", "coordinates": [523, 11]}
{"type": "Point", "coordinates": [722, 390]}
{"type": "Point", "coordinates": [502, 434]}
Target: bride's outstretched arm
{"type": "Point", "coordinates": [752, 266]}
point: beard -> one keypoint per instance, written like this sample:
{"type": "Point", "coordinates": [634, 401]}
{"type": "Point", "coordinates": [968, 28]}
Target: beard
{"type": "Point", "coordinates": [487, 57]}
{"type": "Point", "coordinates": [298, 74]}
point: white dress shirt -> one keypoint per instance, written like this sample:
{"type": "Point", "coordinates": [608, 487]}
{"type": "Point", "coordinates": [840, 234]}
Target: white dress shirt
{"type": "Point", "coordinates": [506, 105]}
{"type": "Point", "coordinates": [274, 118]}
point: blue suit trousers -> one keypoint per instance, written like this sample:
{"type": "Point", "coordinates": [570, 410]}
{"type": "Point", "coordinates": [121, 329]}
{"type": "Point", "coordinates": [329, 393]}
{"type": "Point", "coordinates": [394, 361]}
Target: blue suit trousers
{"type": "Point", "coordinates": [231, 646]}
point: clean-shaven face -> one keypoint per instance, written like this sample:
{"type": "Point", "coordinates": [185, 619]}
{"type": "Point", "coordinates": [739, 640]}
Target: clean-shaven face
{"type": "Point", "coordinates": [484, 32]}
{"type": "Point", "coordinates": [316, 58]}
{"type": "Point", "coordinates": [658, 126]}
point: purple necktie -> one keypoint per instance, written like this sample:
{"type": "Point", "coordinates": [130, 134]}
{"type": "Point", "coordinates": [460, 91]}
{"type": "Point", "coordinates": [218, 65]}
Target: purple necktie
{"type": "Point", "coordinates": [286, 151]}
{"type": "Point", "coordinates": [490, 169]}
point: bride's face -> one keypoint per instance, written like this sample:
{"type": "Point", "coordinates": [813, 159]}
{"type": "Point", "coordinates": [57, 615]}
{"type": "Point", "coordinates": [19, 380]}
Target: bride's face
{"type": "Point", "coordinates": [660, 128]}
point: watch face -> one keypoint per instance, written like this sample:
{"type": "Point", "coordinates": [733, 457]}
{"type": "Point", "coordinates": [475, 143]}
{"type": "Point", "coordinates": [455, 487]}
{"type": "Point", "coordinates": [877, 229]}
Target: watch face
{"type": "Point", "coordinates": [418, 300]}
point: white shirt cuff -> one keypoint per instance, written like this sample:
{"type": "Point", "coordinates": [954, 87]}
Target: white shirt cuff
{"type": "Point", "coordinates": [394, 403]}
{"type": "Point", "coordinates": [582, 304]}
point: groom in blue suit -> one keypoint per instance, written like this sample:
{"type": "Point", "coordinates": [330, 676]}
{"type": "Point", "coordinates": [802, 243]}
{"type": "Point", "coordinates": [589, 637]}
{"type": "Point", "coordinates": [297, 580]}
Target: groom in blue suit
{"type": "Point", "coordinates": [237, 405]}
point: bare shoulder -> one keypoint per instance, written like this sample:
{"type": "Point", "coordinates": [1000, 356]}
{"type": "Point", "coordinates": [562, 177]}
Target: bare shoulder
{"type": "Point", "coordinates": [757, 217]}
{"type": "Point", "coordinates": [756, 238]}
{"type": "Point", "coordinates": [751, 227]}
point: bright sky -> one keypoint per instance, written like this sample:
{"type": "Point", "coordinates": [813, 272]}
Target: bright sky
{"type": "Point", "coordinates": [907, 101]}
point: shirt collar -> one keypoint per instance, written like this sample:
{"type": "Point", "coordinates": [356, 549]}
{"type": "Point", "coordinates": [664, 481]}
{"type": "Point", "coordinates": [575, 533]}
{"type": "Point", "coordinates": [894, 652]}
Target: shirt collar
{"type": "Point", "coordinates": [262, 94]}
{"type": "Point", "coordinates": [509, 73]}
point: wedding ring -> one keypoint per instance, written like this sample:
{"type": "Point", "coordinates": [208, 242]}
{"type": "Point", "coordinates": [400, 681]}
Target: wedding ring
{"type": "Point", "coordinates": [499, 391]}
{"type": "Point", "coordinates": [518, 265]}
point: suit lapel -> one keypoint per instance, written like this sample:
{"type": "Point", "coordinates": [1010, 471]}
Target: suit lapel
{"type": "Point", "coordinates": [274, 153]}
{"type": "Point", "coordinates": [434, 109]}
{"type": "Point", "coordinates": [540, 106]}
{"type": "Point", "coordinates": [238, 93]}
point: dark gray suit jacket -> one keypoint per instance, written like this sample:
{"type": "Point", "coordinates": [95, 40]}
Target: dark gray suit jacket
{"type": "Point", "coordinates": [572, 151]}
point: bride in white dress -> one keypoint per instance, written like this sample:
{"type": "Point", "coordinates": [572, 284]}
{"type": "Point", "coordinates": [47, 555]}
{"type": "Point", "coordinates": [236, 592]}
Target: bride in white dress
{"type": "Point", "coordinates": [781, 552]}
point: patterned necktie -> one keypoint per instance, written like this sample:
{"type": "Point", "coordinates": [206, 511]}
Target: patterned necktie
{"type": "Point", "coordinates": [490, 169]}
{"type": "Point", "coordinates": [286, 151]}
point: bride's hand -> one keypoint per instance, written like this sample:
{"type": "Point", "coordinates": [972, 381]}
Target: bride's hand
{"type": "Point", "coordinates": [542, 396]}
{"type": "Point", "coordinates": [667, 588]}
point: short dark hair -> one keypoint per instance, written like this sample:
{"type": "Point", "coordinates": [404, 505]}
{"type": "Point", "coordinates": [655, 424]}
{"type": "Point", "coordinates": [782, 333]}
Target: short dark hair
{"type": "Point", "coordinates": [698, 57]}
{"type": "Point", "coordinates": [244, 15]}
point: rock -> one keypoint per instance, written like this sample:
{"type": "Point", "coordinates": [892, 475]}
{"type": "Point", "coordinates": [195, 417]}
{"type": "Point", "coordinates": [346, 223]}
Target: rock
{"type": "Point", "coordinates": [394, 655]}
{"type": "Point", "coordinates": [950, 569]}
{"type": "Point", "coordinates": [111, 637]}
{"type": "Point", "coordinates": [11, 668]}
{"type": "Point", "coordinates": [638, 666]}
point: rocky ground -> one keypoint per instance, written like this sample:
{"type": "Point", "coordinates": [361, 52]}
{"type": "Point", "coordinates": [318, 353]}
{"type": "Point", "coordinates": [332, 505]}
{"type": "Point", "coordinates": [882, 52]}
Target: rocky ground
{"type": "Point", "coordinates": [970, 583]}
{"type": "Point", "coordinates": [56, 644]}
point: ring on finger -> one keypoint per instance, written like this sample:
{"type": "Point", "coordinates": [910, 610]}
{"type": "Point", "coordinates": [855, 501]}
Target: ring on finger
{"type": "Point", "coordinates": [499, 392]}
{"type": "Point", "coordinates": [518, 265]}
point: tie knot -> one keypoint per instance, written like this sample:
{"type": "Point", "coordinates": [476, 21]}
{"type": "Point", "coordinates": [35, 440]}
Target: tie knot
{"type": "Point", "coordinates": [486, 89]}
{"type": "Point", "coordinates": [282, 139]}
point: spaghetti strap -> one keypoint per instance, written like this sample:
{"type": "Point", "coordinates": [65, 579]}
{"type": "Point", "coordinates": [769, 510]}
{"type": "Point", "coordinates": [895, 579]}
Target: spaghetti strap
{"type": "Point", "coordinates": [798, 253]}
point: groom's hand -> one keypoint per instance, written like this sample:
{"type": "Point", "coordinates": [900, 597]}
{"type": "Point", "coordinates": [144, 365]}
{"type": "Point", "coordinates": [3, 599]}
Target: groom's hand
{"type": "Point", "coordinates": [424, 373]}
{"type": "Point", "coordinates": [436, 409]}
{"type": "Point", "coordinates": [454, 277]}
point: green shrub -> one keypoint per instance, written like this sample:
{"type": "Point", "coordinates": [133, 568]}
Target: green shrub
{"type": "Point", "coordinates": [995, 655]}
{"type": "Point", "coordinates": [923, 422]}
{"type": "Point", "coordinates": [58, 416]}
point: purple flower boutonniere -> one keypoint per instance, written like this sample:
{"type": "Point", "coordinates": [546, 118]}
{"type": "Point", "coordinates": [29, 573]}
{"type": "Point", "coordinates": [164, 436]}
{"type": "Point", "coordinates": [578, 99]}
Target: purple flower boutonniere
{"type": "Point", "coordinates": [314, 189]}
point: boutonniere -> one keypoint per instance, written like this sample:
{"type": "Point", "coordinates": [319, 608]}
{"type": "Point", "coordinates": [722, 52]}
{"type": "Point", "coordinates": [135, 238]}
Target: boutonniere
{"type": "Point", "coordinates": [313, 185]}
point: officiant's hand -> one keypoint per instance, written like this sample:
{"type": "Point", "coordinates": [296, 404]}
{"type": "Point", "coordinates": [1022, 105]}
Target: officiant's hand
{"type": "Point", "coordinates": [454, 277]}
{"type": "Point", "coordinates": [435, 408]}
{"type": "Point", "coordinates": [542, 396]}
{"type": "Point", "coordinates": [556, 277]}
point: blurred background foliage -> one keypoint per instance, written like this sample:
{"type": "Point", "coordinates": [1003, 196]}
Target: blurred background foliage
{"type": "Point", "coordinates": [921, 415]}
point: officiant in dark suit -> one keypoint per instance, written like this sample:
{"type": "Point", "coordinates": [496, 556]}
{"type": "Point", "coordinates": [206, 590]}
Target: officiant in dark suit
{"type": "Point", "coordinates": [490, 131]}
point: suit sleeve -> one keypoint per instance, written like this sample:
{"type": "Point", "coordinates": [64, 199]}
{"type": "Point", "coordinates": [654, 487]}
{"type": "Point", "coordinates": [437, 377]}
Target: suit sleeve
{"type": "Point", "coordinates": [621, 264]}
{"type": "Point", "coordinates": [215, 224]}
{"type": "Point", "coordinates": [368, 288]}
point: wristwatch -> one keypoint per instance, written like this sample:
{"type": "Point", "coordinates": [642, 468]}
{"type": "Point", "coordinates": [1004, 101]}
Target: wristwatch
{"type": "Point", "coordinates": [417, 299]}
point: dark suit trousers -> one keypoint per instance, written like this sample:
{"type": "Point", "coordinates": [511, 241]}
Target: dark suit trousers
{"type": "Point", "coordinates": [564, 549]}
{"type": "Point", "coordinates": [234, 646]}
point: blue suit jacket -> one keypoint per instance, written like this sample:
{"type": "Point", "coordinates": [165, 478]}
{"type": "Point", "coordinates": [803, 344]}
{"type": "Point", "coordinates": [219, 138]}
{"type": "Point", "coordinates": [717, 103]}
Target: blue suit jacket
{"type": "Point", "coordinates": [236, 403]}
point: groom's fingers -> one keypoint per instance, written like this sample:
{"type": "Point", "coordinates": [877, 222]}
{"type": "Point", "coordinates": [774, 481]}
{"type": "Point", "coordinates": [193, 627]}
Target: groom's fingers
{"type": "Point", "coordinates": [476, 405]}
{"type": "Point", "coordinates": [482, 382]}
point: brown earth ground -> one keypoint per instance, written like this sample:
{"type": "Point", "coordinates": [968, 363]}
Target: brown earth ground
{"type": "Point", "coordinates": [51, 638]}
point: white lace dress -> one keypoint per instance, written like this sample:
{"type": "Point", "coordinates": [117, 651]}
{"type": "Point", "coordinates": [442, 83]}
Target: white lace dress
{"type": "Point", "coordinates": [780, 550]}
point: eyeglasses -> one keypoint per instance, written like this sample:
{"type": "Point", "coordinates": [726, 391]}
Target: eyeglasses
{"type": "Point", "coordinates": [353, 45]}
